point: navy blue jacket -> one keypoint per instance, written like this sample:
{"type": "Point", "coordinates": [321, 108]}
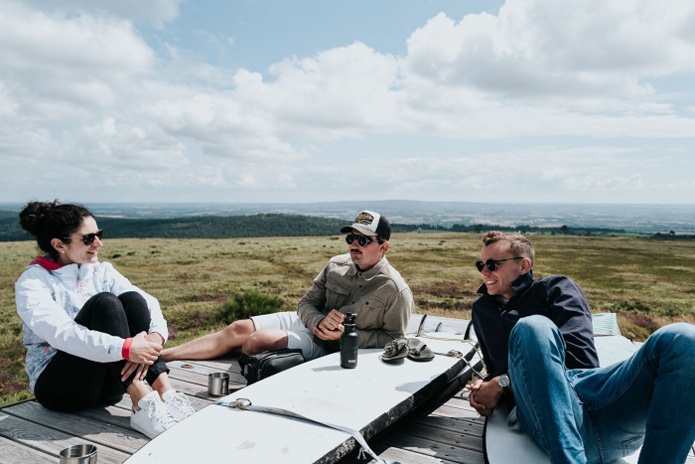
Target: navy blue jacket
{"type": "Point", "coordinates": [557, 297]}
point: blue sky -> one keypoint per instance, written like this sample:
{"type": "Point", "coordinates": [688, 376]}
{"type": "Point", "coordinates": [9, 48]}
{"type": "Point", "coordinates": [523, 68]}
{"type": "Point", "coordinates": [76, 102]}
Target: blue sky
{"type": "Point", "coordinates": [302, 101]}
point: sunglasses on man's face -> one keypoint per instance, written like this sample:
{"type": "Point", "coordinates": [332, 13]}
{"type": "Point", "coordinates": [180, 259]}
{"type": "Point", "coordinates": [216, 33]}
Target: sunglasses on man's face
{"type": "Point", "coordinates": [493, 264]}
{"type": "Point", "coordinates": [362, 240]}
{"type": "Point", "coordinates": [88, 239]}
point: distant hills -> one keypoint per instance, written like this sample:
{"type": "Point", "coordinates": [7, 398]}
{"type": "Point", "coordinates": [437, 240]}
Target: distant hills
{"type": "Point", "coordinates": [312, 219]}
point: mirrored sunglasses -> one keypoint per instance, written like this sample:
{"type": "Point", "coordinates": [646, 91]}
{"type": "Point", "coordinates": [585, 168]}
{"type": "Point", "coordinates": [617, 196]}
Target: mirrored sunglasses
{"type": "Point", "coordinates": [362, 240]}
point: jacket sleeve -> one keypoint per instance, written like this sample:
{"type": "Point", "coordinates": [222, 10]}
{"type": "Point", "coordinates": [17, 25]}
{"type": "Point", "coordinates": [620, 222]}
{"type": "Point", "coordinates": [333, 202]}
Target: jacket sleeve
{"type": "Point", "coordinates": [395, 321]}
{"type": "Point", "coordinates": [120, 284]}
{"type": "Point", "coordinates": [310, 307]}
{"type": "Point", "coordinates": [569, 310]}
{"type": "Point", "coordinates": [49, 321]}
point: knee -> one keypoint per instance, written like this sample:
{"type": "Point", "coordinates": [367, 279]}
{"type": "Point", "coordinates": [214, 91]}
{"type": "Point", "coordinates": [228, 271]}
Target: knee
{"type": "Point", "coordinates": [135, 306]}
{"type": "Point", "coordinates": [535, 334]}
{"type": "Point", "coordinates": [264, 340]}
{"type": "Point", "coordinates": [132, 299]}
{"type": "Point", "coordinates": [532, 328]}
{"type": "Point", "coordinates": [241, 328]}
{"type": "Point", "coordinates": [107, 302]}
{"type": "Point", "coordinates": [103, 312]}
{"type": "Point", "coordinates": [253, 345]}
{"type": "Point", "coordinates": [678, 338]}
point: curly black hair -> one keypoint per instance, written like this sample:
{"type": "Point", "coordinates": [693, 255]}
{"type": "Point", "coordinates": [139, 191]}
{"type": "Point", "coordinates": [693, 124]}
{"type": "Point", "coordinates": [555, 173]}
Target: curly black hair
{"type": "Point", "coordinates": [49, 220]}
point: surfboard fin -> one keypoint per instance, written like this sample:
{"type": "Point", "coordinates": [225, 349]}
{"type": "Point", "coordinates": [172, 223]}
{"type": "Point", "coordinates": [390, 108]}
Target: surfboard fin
{"type": "Point", "coordinates": [421, 327]}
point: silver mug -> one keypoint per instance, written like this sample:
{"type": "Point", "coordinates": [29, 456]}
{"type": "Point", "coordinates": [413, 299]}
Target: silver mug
{"type": "Point", "coordinates": [79, 454]}
{"type": "Point", "coordinates": [218, 384]}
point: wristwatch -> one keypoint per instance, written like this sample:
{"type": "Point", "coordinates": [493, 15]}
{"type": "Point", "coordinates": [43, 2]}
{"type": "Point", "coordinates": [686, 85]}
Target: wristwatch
{"type": "Point", "coordinates": [503, 381]}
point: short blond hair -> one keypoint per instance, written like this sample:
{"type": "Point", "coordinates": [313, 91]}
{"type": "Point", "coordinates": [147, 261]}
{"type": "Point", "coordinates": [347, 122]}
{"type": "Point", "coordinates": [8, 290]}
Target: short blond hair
{"type": "Point", "coordinates": [518, 244]}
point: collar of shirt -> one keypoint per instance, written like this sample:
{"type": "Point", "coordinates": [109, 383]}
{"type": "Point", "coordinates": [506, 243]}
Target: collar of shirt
{"type": "Point", "coordinates": [46, 263]}
{"type": "Point", "coordinates": [519, 285]}
{"type": "Point", "coordinates": [371, 273]}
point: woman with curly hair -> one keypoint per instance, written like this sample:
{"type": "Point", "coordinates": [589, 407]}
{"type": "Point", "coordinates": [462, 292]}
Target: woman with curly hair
{"type": "Point", "coordinates": [90, 334]}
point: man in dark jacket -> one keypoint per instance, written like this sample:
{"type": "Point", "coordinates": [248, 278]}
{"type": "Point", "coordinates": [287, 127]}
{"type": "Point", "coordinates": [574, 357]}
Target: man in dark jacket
{"type": "Point", "coordinates": [537, 341]}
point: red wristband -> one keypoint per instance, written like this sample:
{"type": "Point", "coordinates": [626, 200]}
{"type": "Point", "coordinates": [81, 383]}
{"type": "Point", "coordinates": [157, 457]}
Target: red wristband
{"type": "Point", "coordinates": [125, 351]}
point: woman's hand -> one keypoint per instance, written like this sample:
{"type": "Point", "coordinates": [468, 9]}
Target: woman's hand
{"type": "Point", "coordinates": [143, 351]}
{"type": "Point", "coordinates": [155, 337]}
{"type": "Point", "coordinates": [130, 367]}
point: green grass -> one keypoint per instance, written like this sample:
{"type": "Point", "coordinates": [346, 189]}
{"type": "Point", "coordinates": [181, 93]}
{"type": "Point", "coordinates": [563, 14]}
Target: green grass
{"type": "Point", "coordinates": [199, 283]}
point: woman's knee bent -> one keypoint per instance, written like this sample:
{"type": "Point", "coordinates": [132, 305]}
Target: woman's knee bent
{"type": "Point", "coordinates": [132, 300]}
{"type": "Point", "coordinates": [103, 312]}
{"type": "Point", "coordinates": [137, 312]}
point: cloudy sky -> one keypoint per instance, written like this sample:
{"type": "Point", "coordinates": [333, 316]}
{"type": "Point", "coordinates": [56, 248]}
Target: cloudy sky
{"type": "Point", "coordinates": [312, 100]}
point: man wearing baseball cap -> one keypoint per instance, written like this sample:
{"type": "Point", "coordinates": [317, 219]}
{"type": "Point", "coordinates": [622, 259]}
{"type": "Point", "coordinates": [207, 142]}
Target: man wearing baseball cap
{"type": "Point", "coordinates": [361, 282]}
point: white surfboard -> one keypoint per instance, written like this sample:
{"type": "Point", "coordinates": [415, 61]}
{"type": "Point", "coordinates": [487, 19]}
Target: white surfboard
{"type": "Point", "coordinates": [368, 399]}
{"type": "Point", "coordinates": [505, 446]}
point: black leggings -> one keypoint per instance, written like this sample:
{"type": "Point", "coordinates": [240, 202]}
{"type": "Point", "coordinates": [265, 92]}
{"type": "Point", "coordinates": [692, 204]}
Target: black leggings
{"type": "Point", "coordinates": [71, 383]}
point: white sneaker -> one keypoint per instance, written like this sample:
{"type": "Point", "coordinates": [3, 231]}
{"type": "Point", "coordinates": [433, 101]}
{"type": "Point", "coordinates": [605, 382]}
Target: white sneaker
{"type": "Point", "coordinates": [153, 417]}
{"type": "Point", "coordinates": [178, 405]}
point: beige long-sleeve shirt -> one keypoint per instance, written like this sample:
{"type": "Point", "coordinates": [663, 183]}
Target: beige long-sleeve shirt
{"type": "Point", "coordinates": [379, 297]}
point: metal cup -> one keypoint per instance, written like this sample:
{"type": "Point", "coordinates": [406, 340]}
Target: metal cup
{"type": "Point", "coordinates": [79, 454]}
{"type": "Point", "coordinates": [218, 384]}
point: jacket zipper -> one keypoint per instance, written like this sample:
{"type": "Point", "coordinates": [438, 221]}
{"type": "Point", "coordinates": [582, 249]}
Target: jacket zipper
{"type": "Point", "coordinates": [79, 280]}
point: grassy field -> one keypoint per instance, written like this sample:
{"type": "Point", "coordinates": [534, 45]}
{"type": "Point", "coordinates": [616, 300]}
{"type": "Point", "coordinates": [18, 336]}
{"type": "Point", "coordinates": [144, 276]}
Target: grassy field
{"type": "Point", "coordinates": [648, 283]}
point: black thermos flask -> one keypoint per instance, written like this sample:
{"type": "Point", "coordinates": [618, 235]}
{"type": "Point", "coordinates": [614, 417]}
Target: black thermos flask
{"type": "Point", "coordinates": [348, 343]}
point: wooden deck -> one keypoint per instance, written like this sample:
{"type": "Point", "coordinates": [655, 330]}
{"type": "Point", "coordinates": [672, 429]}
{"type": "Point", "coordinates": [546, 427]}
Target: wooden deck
{"type": "Point", "coordinates": [444, 430]}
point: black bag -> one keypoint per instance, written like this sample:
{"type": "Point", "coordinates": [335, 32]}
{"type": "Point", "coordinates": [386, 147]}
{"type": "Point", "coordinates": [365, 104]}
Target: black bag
{"type": "Point", "coordinates": [259, 366]}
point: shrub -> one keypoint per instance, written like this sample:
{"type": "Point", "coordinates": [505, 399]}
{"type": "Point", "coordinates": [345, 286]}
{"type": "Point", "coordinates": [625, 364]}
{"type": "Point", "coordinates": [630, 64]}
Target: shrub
{"type": "Point", "coordinates": [637, 326]}
{"type": "Point", "coordinates": [250, 303]}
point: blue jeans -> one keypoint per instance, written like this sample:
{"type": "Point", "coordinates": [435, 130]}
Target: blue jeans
{"type": "Point", "coordinates": [603, 414]}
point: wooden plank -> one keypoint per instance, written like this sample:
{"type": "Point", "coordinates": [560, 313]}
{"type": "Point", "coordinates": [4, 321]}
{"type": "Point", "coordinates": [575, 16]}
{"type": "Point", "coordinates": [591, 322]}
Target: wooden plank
{"type": "Point", "coordinates": [120, 437]}
{"type": "Point", "coordinates": [414, 456]}
{"type": "Point", "coordinates": [195, 373]}
{"type": "Point", "coordinates": [465, 438]}
{"type": "Point", "coordinates": [16, 453]}
{"type": "Point", "coordinates": [439, 449]}
{"type": "Point", "coordinates": [49, 439]}
{"type": "Point", "coordinates": [225, 364]}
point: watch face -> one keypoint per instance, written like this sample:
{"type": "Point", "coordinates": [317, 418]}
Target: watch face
{"type": "Point", "coordinates": [503, 381]}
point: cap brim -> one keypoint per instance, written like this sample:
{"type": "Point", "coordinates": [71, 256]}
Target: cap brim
{"type": "Point", "coordinates": [363, 230]}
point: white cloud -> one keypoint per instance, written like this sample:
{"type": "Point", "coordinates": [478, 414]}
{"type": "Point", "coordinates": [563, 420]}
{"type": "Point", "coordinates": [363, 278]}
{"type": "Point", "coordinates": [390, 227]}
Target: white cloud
{"type": "Point", "coordinates": [341, 92]}
{"type": "Point", "coordinates": [538, 98]}
{"type": "Point", "coordinates": [588, 53]}
{"type": "Point", "coordinates": [41, 46]}
{"type": "Point", "coordinates": [156, 12]}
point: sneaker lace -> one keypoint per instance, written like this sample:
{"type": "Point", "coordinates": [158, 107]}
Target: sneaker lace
{"type": "Point", "coordinates": [181, 403]}
{"type": "Point", "coordinates": [157, 411]}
